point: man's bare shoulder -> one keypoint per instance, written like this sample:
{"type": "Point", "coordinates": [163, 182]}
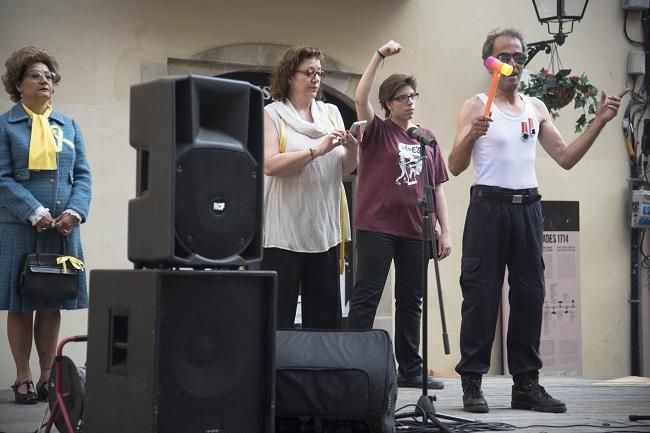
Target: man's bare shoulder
{"type": "Point", "coordinates": [539, 107]}
{"type": "Point", "coordinates": [473, 105]}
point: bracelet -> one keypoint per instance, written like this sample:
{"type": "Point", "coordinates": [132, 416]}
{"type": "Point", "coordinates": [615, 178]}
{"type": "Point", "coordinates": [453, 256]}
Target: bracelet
{"type": "Point", "coordinates": [311, 153]}
{"type": "Point", "coordinates": [380, 54]}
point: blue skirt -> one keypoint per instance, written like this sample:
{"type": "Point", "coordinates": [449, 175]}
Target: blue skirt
{"type": "Point", "coordinates": [16, 240]}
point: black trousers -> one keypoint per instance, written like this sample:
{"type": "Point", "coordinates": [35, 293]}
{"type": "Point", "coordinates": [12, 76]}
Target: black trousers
{"type": "Point", "coordinates": [315, 276]}
{"type": "Point", "coordinates": [497, 235]}
{"type": "Point", "coordinates": [375, 251]}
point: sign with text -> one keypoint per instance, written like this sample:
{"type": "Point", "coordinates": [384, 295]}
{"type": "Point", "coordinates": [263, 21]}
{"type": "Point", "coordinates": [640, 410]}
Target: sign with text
{"type": "Point", "coordinates": [561, 338]}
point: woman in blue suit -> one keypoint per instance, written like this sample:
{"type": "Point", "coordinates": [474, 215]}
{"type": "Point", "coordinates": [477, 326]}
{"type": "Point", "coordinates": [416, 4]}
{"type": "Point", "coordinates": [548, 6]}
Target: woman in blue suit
{"type": "Point", "coordinates": [45, 189]}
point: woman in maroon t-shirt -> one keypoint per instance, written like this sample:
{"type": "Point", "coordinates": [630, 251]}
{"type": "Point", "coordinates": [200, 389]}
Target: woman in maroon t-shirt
{"type": "Point", "coordinates": [388, 217]}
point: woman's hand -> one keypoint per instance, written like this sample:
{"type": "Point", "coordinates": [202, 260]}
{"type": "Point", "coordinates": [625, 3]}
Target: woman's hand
{"type": "Point", "coordinates": [390, 48]}
{"type": "Point", "coordinates": [349, 141]}
{"type": "Point", "coordinates": [330, 141]}
{"type": "Point", "coordinates": [45, 223]}
{"type": "Point", "coordinates": [350, 158]}
{"type": "Point", "coordinates": [64, 223]}
{"type": "Point", "coordinates": [444, 245]}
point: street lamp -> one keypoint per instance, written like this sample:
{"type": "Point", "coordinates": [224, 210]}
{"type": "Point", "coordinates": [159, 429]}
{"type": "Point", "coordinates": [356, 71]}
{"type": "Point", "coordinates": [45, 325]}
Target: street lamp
{"type": "Point", "coordinates": [559, 16]}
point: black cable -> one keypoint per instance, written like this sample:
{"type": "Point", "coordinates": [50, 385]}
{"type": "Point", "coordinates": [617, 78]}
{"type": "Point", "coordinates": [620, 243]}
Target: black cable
{"type": "Point", "coordinates": [633, 78]}
{"type": "Point", "coordinates": [603, 426]}
{"type": "Point", "coordinates": [625, 31]}
{"type": "Point", "coordinates": [645, 429]}
{"type": "Point", "coordinates": [418, 427]}
{"type": "Point", "coordinates": [423, 426]}
{"type": "Point", "coordinates": [412, 426]}
{"type": "Point", "coordinates": [417, 423]}
{"type": "Point", "coordinates": [645, 260]}
{"type": "Point", "coordinates": [633, 115]}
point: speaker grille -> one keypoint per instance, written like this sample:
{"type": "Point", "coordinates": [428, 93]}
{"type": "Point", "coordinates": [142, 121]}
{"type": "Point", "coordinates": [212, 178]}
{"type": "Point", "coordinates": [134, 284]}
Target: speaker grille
{"type": "Point", "coordinates": [213, 368]}
{"type": "Point", "coordinates": [216, 201]}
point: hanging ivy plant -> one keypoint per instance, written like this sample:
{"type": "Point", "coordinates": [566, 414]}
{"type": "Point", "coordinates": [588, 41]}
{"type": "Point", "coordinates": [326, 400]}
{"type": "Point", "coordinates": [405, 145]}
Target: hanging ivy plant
{"type": "Point", "coordinates": [559, 89]}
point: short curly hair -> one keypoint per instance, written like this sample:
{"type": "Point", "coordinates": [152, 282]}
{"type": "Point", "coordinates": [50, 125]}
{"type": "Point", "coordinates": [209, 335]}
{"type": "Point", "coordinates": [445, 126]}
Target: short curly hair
{"type": "Point", "coordinates": [18, 63]}
{"type": "Point", "coordinates": [286, 66]}
{"type": "Point", "coordinates": [391, 85]}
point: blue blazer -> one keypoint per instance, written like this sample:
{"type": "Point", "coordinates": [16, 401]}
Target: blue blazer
{"type": "Point", "coordinates": [22, 190]}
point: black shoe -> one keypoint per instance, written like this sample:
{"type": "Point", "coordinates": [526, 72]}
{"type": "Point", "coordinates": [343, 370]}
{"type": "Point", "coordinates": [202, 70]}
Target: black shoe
{"type": "Point", "coordinates": [416, 382]}
{"type": "Point", "coordinates": [42, 390]}
{"type": "Point", "coordinates": [28, 397]}
{"type": "Point", "coordinates": [473, 400]}
{"type": "Point", "coordinates": [528, 394]}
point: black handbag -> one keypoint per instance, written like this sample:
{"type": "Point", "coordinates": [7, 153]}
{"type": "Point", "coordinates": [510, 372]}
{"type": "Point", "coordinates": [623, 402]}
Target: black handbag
{"type": "Point", "coordinates": [48, 277]}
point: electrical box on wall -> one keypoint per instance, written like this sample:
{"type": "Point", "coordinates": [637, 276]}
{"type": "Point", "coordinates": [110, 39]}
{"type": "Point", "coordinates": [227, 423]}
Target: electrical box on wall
{"type": "Point", "coordinates": [636, 61]}
{"type": "Point", "coordinates": [636, 5]}
{"type": "Point", "coordinates": [640, 208]}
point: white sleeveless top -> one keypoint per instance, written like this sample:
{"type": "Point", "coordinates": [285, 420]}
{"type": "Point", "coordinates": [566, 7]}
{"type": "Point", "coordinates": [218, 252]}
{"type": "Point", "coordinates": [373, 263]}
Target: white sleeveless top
{"type": "Point", "coordinates": [302, 211]}
{"type": "Point", "coordinates": [505, 156]}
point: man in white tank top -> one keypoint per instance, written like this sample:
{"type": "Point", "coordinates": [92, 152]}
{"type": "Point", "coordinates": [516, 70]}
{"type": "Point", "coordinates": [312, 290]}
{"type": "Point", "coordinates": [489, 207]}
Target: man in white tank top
{"type": "Point", "coordinates": [504, 227]}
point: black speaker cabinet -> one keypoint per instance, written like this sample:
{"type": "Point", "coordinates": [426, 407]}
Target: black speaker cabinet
{"type": "Point", "coordinates": [181, 352]}
{"type": "Point", "coordinates": [199, 186]}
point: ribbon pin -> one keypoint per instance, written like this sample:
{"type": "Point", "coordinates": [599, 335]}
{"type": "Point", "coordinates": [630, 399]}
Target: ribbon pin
{"type": "Point", "coordinates": [75, 262]}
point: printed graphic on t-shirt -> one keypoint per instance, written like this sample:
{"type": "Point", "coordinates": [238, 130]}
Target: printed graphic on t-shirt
{"type": "Point", "coordinates": [410, 163]}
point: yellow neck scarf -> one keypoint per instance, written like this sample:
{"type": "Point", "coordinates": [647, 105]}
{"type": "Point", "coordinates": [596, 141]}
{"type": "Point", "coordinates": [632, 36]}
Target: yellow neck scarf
{"type": "Point", "coordinates": [42, 147]}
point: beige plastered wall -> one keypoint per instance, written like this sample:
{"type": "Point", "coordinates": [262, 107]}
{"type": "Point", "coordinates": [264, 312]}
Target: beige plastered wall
{"type": "Point", "coordinates": [104, 47]}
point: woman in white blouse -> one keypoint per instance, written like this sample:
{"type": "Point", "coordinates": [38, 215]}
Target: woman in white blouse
{"type": "Point", "coordinates": [306, 153]}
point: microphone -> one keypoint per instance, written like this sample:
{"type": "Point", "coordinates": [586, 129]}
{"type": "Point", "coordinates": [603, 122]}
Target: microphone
{"type": "Point", "coordinates": [426, 140]}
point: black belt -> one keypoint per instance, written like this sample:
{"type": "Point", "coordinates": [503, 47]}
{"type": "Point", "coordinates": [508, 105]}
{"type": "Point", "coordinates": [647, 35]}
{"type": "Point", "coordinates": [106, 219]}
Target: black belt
{"type": "Point", "coordinates": [516, 196]}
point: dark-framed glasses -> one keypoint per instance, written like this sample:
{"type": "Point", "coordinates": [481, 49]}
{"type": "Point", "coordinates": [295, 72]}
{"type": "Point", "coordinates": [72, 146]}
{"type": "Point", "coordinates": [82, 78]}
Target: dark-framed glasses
{"type": "Point", "coordinates": [403, 98]}
{"type": "Point", "coordinates": [519, 58]}
{"type": "Point", "coordinates": [36, 75]}
{"type": "Point", "coordinates": [311, 73]}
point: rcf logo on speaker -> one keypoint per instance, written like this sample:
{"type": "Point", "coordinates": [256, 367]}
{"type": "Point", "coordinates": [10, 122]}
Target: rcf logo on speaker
{"type": "Point", "coordinates": [219, 206]}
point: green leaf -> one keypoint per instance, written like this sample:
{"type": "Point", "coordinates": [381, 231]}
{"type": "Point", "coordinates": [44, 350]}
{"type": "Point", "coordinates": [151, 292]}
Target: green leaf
{"type": "Point", "coordinates": [547, 86]}
{"type": "Point", "coordinates": [581, 122]}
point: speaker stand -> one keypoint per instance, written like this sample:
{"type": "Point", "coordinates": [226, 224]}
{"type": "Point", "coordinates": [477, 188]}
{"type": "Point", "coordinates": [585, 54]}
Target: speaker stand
{"type": "Point", "coordinates": [425, 405]}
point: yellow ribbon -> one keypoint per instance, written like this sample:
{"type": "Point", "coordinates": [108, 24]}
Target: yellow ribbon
{"type": "Point", "coordinates": [342, 213]}
{"type": "Point", "coordinates": [42, 147]}
{"type": "Point", "coordinates": [75, 262]}
{"type": "Point", "coordinates": [343, 234]}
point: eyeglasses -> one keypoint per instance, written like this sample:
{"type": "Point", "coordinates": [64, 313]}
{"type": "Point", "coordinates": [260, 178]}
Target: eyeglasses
{"type": "Point", "coordinates": [519, 58]}
{"type": "Point", "coordinates": [311, 73]}
{"type": "Point", "coordinates": [37, 75]}
{"type": "Point", "coordinates": [403, 98]}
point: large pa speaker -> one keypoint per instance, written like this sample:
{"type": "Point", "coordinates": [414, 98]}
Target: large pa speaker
{"type": "Point", "coordinates": [181, 352]}
{"type": "Point", "coordinates": [199, 187]}
{"type": "Point", "coordinates": [341, 381]}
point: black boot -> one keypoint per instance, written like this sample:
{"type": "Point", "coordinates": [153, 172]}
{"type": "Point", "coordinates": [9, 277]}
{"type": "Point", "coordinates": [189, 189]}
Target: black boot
{"type": "Point", "coordinates": [528, 394]}
{"type": "Point", "coordinates": [416, 382]}
{"type": "Point", "coordinates": [473, 400]}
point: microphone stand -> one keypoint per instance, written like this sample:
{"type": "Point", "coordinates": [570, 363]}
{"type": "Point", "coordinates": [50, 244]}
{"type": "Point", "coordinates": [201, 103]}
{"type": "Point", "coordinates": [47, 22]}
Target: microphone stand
{"type": "Point", "coordinates": [428, 204]}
